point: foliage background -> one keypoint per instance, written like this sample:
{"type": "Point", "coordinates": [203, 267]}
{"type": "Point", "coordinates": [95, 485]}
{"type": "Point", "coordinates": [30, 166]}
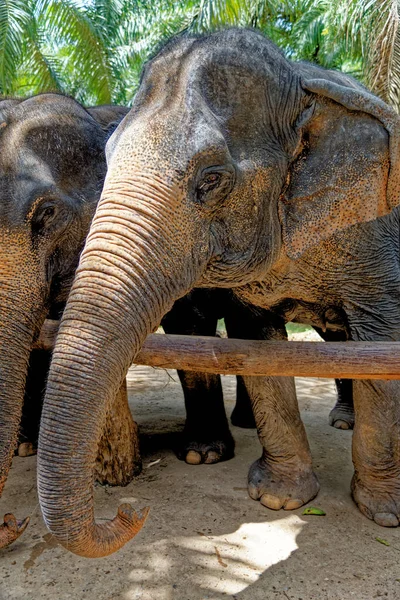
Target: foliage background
{"type": "Point", "coordinates": [94, 50]}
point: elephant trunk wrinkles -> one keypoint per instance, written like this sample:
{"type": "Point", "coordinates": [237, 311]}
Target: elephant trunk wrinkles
{"type": "Point", "coordinates": [16, 336]}
{"type": "Point", "coordinates": [15, 344]}
{"type": "Point", "coordinates": [119, 296]}
{"type": "Point", "coordinates": [20, 319]}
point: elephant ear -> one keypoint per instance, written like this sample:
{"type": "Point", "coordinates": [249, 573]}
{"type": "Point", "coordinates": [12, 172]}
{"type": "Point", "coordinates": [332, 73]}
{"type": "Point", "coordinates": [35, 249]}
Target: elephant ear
{"type": "Point", "coordinates": [346, 168]}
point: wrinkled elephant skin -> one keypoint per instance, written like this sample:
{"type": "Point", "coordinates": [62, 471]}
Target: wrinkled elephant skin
{"type": "Point", "coordinates": [236, 168]}
{"type": "Point", "coordinates": [52, 167]}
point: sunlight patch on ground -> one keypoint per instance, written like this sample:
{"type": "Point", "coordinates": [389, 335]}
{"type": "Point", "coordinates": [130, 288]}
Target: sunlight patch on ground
{"type": "Point", "coordinates": [224, 564]}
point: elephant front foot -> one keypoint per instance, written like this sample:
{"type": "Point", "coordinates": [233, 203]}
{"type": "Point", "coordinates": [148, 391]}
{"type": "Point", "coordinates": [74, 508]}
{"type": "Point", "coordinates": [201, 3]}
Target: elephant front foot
{"type": "Point", "coordinates": [118, 460]}
{"type": "Point", "coordinates": [341, 417]}
{"type": "Point", "coordinates": [196, 452]}
{"type": "Point", "coordinates": [379, 501]}
{"type": "Point", "coordinates": [11, 529]}
{"type": "Point", "coordinates": [286, 486]}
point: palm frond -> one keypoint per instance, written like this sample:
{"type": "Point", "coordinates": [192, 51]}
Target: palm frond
{"type": "Point", "coordinates": [383, 61]}
{"type": "Point", "coordinates": [16, 18]}
{"type": "Point", "coordinates": [67, 24]}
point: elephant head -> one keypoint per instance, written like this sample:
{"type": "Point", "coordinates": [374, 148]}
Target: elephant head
{"type": "Point", "coordinates": [106, 114]}
{"type": "Point", "coordinates": [52, 167]}
{"type": "Point", "coordinates": [231, 160]}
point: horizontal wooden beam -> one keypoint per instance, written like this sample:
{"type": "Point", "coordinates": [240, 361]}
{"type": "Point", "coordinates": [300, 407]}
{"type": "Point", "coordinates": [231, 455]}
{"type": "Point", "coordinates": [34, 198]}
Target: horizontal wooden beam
{"type": "Point", "coordinates": [351, 360]}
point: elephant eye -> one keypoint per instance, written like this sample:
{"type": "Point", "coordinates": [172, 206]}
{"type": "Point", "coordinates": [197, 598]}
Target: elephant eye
{"type": "Point", "coordinates": [215, 182]}
{"type": "Point", "coordinates": [208, 183]}
{"type": "Point", "coordinates": [48, 212]}
{"type": "Point", "coordinates": [43, 216]}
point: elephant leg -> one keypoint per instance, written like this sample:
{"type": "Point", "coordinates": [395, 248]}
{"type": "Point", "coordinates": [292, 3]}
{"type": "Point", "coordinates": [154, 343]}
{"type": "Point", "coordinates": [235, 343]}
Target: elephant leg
{"type": "Point", "coordinates": [342, 414]}
{"type": "Point", "coordinates": [376, 450]}
{"type": "Point", "coordinates": [247, 323]}
{"type": "Point", "coordinates": [206, 437]}
{"type": "Point", "coordinates": [283, 476]}
{"type": "Point", "coordinates": [242, 415]}
{"type": "Point", "coordinates": [39, 364]}
{"type": "Point", "coordinates": [118, 459]}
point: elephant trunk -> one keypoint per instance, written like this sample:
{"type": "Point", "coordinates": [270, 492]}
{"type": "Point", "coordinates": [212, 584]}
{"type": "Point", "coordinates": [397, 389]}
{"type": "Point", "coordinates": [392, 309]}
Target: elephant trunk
{"type": "Point", "coordinates": [125, 283]}
{"type": "Point", "coordinates": [15, 347]}
{"type": "Point", "coordinates": [18, 327]}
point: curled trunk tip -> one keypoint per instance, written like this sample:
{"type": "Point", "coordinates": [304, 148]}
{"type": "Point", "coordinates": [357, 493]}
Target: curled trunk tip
{"type": "Point", "coordinates": [11, 529]}
{"type": "Point", "coordinates": [110, 537]}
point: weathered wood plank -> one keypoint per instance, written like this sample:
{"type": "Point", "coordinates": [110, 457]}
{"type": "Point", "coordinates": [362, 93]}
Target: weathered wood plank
{"type": "Point", "coordinates": [355, 360]}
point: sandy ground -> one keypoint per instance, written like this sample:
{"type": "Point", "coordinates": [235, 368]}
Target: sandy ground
{"type": "Point", "coordinates": [205, 538]}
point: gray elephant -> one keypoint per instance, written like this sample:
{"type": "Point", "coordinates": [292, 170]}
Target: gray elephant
{"type": "Point", "coordinates": [235, 169]}
{"type": "Point", "coordinates": [52, 168]}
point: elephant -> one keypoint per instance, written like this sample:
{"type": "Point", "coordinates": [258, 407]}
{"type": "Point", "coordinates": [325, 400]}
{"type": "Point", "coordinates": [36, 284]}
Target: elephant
{"type": "Point", "coordinates": [342, 414]}
{"type": "Point", "coordinates": [105, 114]}
{"type": "Point", "coordinates": [108, 116]}
{"type": "Point", "coordinates": [238, 169]}
{"type": "Point", "coordinates": [52, 168]}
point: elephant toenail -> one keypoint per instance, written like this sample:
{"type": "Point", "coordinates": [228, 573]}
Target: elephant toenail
{"type": "Point", "coordinates": [293, 504]}
{"type": "Point", "coordinates": [339, 424]}
{"type": "Point", "coordinates": [26, 449]}
{"type": "Point", "coordinates": [365, 511]}
{"type": "Point", "coordinates": [193, 458]}
{"type": "Point", "coordinates": [212, 457]}
{"type": "Point", "coordinates": [386, 519]}
{"type": "Point", "coordinates": [272, 502]}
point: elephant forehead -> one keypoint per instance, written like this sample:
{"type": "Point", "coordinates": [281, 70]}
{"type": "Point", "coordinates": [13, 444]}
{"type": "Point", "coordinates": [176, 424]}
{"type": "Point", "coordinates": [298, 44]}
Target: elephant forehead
{"type": "Point", "coordinates": [220, 69]}
{"type": "Point", "coordinates": [20, 184]}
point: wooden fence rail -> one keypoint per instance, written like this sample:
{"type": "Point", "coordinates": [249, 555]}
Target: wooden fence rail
{"type": "Point", "coordinates": [352, 360]}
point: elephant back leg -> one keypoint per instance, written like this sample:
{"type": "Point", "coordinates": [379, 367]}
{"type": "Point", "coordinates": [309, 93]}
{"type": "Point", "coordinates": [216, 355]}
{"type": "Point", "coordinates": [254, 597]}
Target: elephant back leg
{"type": "Point", "coordinates": [39, 364]}
{"type": "Point", "coordinates": [342, 414]}
{"type": "Point", "coordinates": [206, 437]}
{"type": "Point", "coordinates": [242, 414]}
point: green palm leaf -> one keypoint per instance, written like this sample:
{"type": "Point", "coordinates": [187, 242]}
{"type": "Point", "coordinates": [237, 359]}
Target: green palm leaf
{"type": "Point", "coordinates": [68, 25]}
{"type": "Point", "coordinates": [16, 19]}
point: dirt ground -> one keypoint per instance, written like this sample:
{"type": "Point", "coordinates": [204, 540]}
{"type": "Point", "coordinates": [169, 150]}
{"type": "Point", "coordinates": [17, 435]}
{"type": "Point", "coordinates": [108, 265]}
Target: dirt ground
{"type": "Point", "coordinates": [205, 538]}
